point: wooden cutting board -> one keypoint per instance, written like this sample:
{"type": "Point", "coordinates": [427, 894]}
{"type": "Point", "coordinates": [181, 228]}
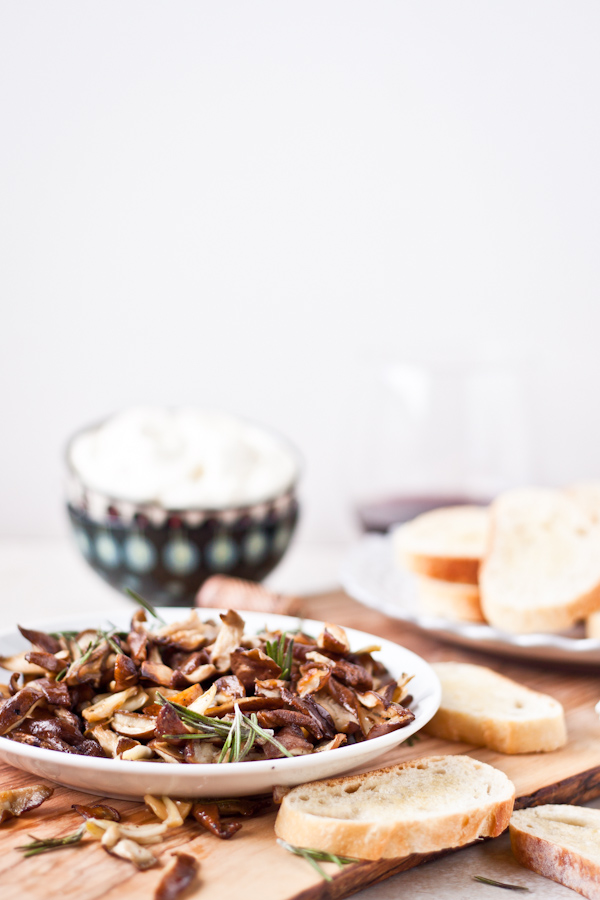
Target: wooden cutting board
{"type": "Point", "coordinates": [252, 863]}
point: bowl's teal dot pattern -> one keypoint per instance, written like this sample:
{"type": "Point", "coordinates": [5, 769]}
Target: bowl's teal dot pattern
{"type": "Point", "coordinates": [180, 556]}
{"type": "Point", "coordinates": [221, 554]}
{"type": "Point", "coordinates": [107, 550]}
{"type": "Point", "coordinates": [166, 558]}
{"type": "Point", "coordinates": [282, 538]}
{"type": "Point", "coordinates": [84, 543]}
{"type": "Point", "coordinates": [140, 555]}
{"type": "Point", "coordinates": [255, 546]}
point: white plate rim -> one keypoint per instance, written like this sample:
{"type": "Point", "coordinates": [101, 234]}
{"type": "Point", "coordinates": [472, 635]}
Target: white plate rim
{"type": "Point", "coordinates": [376, 551]}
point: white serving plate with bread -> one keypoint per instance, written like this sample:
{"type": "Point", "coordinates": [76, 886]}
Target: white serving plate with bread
{"type": "Point", "coordinates": [128, 779]}
{"type": "Point", "coordinates": [370, 575]}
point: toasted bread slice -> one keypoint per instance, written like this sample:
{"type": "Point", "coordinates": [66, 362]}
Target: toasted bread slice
{"type": "Point", "coordinates": [481, 707]}
{"type": "Point", "coordinates": [446, 543]}
{"type": "Point", "coordinates": [417, 807]}
{"type": "Point", "coordinates": [542, 569]}
{"type": "Point", "coordinates": [561, 843]}
{"type": "Point", "coordinates": [449, 599]}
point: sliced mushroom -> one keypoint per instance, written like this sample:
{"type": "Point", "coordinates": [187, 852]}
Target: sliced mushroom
{"type": "Point", "coordinates": [138, 645]}
{"type": "Point", "coordinates": [333, 638]}
{"type": "Point", "coordinates": [47, 661]}
{"type": "Point", "coordinates": [20, 663]}
{"type": "Point", "coordinates": [91, 669]}
{"type": "Point", "coordinates": [201, 673]}
{"type": "Point", "coordinates": [141, 834]}
{"type": "Point", "coordinates": [292, 738]}
{"type": "Point", "coordinates": [338, 740]}
{"type": "Point", "coordinates": [208, 816]}
{"type": "Point", "coordinates": [169, 811]}
{"type": "Point", "coordinates": [16, 708]}
{"type": "Point", "coordinates": [169, 723]}
{"type": "Point", "coordinates": [345, 720]}
{"type": "Point", "coordinates": [107, 705]}
{"type": "Point", "coordinates": [229, 687]}
{"type": "Point", "coordinates": [201, 752]}
{"type": "Point", "coordinates": [166, 751]}
{"type": "Point", "coordinates": [100, 811]}
{"type": "Point", "coordinates": [162, 674]}
{"type": "Point", "coordinates": [13, 803]}
{"type": "Point", "coordinates": [135, 725]}
{"type": "Point", "coordinates": [229, 637]}
{"type": "Point", "coordinates": [125, 672]}
{"type": "Point", "coordinates": [312, 679]}
{"type": "Point", "coordinates": [55, 692]}
{"type": "Point", "coordinates": [46, 642]}
{"type": "Point", "coordinates": [353, 675]}
{"type": "Point", "coordinates": [253, 665]}
{"type": "Point", "coordinates": [141, 857]}
{"type": "Point", "coordinates": [204, 701]}
{"type": "Point", "coordinates": [188, 695]}
{"type": "Point", "coordinates": [137, 752]}
{"type": "Point", "coordinates": [177, 878]}
{"type": "Point", "coordinates": [190, 634]}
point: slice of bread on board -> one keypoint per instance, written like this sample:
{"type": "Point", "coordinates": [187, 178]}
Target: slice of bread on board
{"type": "Point", "coordinates": [417, 807]}
{"type": "Point", "coordinates": [449, 599]}
{"type": "Point", "coordinates": [542, 568]}
{"type": "Point", "coordinates": [561, 843]}
{"type": "Point", "coordinates": [445, 543]}
{"type": "Point", "coordinates": [481, 707]}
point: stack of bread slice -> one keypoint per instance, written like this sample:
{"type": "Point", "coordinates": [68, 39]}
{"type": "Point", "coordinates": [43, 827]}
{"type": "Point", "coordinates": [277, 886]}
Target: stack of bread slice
{"type": "Point", "coordinates": [444, 549]}
{"type": "Point", "coordinates": [530, 562]}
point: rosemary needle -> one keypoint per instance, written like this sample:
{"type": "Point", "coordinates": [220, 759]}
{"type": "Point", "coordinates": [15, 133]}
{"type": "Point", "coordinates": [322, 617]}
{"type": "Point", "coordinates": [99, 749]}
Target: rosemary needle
{"type": "Point", "coordinates": [46, 845]}
{"type": "Point", "coordinates": [144, 603]}
{"type": "Point", "coordinates": [314, 856]}
{"type": "Point", "coordinates": [500, 884]}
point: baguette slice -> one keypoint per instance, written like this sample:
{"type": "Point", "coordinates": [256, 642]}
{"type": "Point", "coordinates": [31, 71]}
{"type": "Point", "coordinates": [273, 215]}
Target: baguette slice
{"type": "Point", "coordinates": [446, 543]}
{"type": "Point", "coordinates": [561, 843]}
{"type": "Point", "coordinates": [417, 807]}
{"type": "Point", "coordinates": [542, 569]}
{"type": "Point", "coordinates": [449, 599]}
{"type": "Point", "coordinates": [481, 707]}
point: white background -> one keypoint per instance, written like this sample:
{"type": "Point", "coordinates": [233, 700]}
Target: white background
{"type": "Point", "coordinates": [237, 204]}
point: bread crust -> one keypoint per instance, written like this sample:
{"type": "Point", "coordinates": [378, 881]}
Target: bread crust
{"type": "Point", "coordinates": [463, 571]}
{"type": "Point", "coordinates": [553, 860]}
{"type": "Point", "coordinates": [380, 834]}
{"type": "Point", "coordinates": [450, 600]}
{"type": "Point", "coordinates": [521, 721]}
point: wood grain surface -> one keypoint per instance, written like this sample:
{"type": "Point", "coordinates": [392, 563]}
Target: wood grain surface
{"type": "Point", "coordinates": [251, 862]}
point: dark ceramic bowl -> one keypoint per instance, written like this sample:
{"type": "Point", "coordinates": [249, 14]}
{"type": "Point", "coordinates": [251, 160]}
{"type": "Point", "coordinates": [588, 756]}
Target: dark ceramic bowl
{"type": "Point", "coordinates": [166, 554]}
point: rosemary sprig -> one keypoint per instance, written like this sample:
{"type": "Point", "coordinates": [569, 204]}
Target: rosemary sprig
{"type": "Point", "coordinates": [276, 650]}
{"type": "Point", "coordinates": [314, 856]}
{"type": "Point", "coordinates": [46, 845]}
{"type": "Point", "coordinates": [500, 884]}
{"type": "Point", "coordinates": [108, 637]}
{"type": "Point", "coordinates": [67, 635]}
{"type": "Point", "coordinates": [144, 603]}
{"type": "Point", "coordinates": [243, 728]}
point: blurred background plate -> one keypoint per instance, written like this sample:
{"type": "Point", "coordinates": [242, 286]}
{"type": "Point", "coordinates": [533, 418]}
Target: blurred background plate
{"type": "Point", "coordinates": [370, 576]}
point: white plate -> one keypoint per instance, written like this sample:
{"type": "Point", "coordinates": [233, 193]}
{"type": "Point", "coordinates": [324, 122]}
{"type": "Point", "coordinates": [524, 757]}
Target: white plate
{"type": "Point", "coordinates": [370, 576]}
{"type": "Point", "coordinates": [122, 779]}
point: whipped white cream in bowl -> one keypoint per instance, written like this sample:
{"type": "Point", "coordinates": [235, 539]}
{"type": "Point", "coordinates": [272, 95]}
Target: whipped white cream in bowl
{"type": "Point", "coordinates": [160, 499]}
